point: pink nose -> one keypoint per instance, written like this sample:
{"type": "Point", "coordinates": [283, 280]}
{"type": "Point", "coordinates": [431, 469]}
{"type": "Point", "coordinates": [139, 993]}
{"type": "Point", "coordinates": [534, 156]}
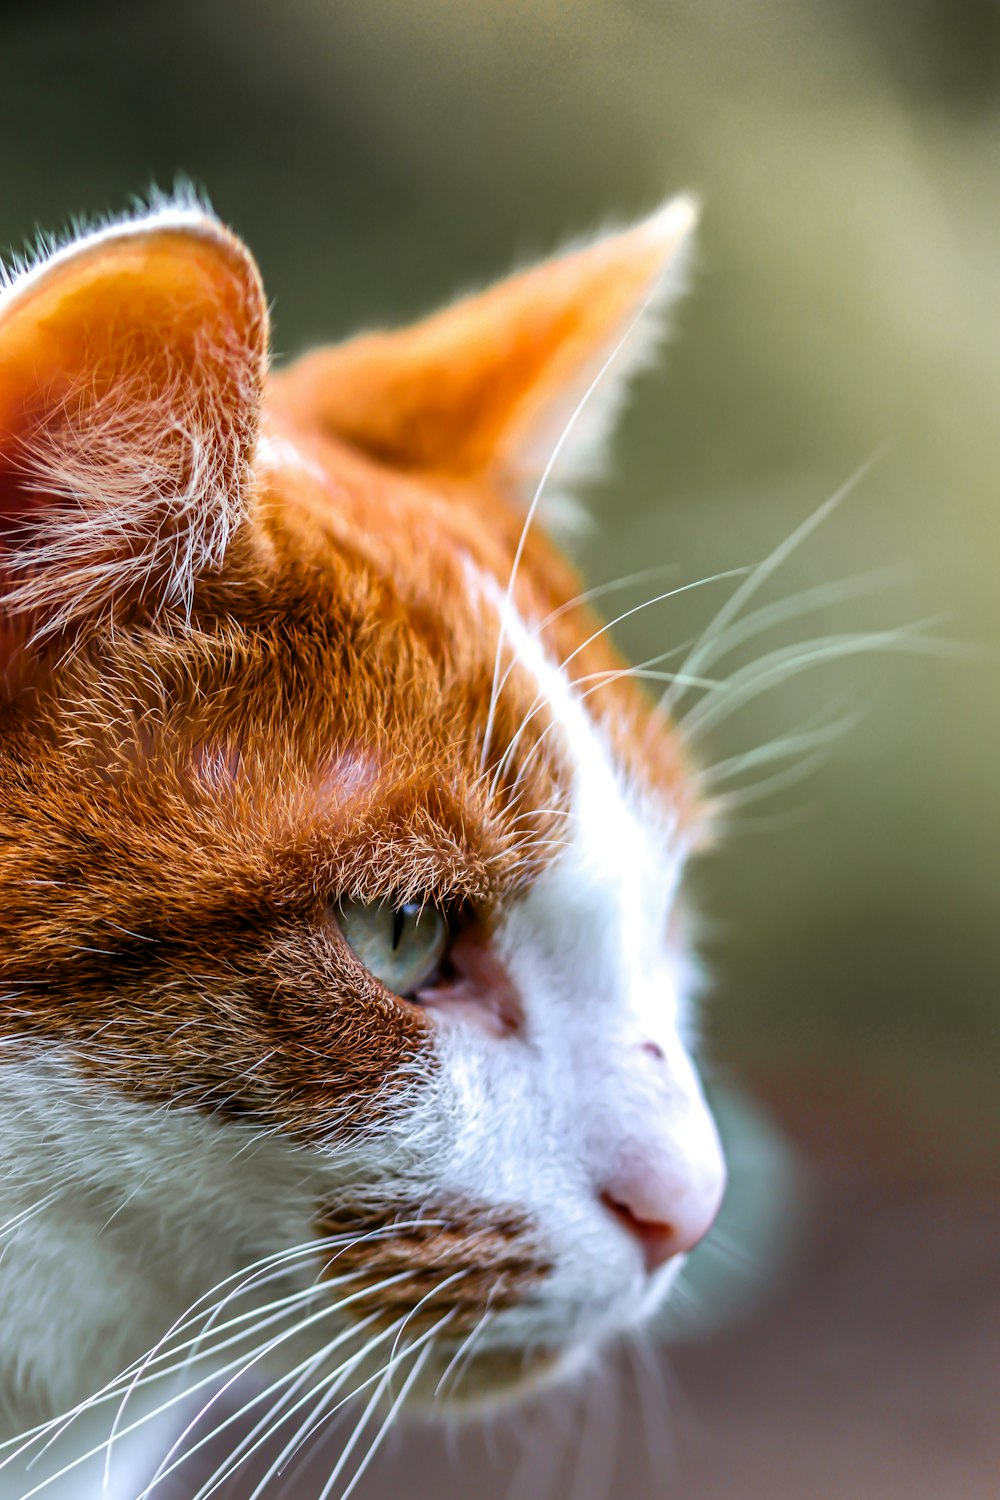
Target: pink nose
{"type": "Point", "coordinates": [658, 1242]}
{"type": "Point", "coordinates": [666, 1219]}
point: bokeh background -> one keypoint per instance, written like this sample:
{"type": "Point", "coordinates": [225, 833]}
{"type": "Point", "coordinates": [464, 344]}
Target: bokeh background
{"type": "Point", "coordinates": [379, 155]}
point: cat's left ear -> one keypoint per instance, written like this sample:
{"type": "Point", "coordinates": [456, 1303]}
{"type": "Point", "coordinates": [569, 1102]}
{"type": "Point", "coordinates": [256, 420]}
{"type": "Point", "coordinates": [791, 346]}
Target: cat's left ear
{"type": "Point", "coordinates": [131, 371]}
{"type": "Point", "coordinates": [489, 387]}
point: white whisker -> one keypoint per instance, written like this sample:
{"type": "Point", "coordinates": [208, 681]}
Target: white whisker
{"type": "Point", "coordinates": [384, 1379]}
{"type": "Point", "coordinates": [154, 1365]}
{"type": "Point", "coordinates": [239, 1365]}
{"type": "Point", "coordinates": [763, 571]}
{"type": "Point", "coordinates": [465, 1349]}
{"type": "Point", "coordinates": [789, 661]}
{"type": "Point", "coordinates": [339, 1339]}
{"type": "Point", "coordinates": [295, 1379]}
{"type": "Point", "coordinates": [540, 701]}
{"type": "Point", "coordinates": [265, 1427]}
{"type": "Point", "coordinates": [782, 748]}
{"type": "Point", "coordinates": [725, 803]}
{"type": "Point", "coordinates": [390, 1416]}
{"type": "Point", "coordinates": [656, 1419]}
{"type": "Point", "coordinates": [323, 1393]}
{"type": "Point", "coordinates": [593, 1471]}
{"type": "Point", "coordinates": [600, 589]}
{"type": "Point", "coordinates": [782, 611]}
{"type": "Point", "coordinates": [240, 1370]}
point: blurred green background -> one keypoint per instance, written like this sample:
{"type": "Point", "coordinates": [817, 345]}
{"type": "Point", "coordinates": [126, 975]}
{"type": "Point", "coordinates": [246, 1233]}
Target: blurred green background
{"type": "Point", "coordinates": [378, 157]}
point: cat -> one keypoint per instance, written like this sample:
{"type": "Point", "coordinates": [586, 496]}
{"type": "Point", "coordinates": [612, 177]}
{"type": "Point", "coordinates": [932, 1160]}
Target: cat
{"type": "Point", "coordinates": [345, 1027]}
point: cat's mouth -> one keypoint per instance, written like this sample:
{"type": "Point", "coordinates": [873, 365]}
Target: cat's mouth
{"type": "Point", "coordinates": [442, 1267]}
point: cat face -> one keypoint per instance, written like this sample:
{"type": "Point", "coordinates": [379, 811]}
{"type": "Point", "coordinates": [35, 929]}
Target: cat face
{"type": "Point", "coordinates": [338, 854]}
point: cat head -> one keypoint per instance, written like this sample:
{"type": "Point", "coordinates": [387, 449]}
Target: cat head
{"type": "Point", "coordinates": [339, 854]}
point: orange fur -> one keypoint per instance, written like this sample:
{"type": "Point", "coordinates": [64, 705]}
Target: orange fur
{"type": "Point", "coordinates": [491, 1256]}
{"type": "Point", "coordinates": [204, 746]}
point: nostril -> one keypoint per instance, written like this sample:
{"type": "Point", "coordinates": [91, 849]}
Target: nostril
{"type": "Point", "coordinates": [658, 1241]}
{"type": "Point", "coordinates": [653, 1049]}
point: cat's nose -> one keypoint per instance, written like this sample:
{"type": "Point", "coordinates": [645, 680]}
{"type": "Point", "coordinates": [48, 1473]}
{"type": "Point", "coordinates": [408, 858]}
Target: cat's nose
{"type": "Point", "coordinates": [665, 1190]}
{"type": "Point", "coordinates": [641, 1215]}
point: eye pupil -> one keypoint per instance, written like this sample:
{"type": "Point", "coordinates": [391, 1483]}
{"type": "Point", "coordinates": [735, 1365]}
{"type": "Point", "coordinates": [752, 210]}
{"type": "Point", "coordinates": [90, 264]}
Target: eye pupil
{"type": "Point", "coordinates": [405, 919]}
{"type": "Point", "coordinates": [401, 945]}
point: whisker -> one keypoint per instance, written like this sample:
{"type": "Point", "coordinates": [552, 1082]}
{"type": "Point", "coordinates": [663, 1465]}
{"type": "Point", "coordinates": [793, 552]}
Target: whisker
{"type": "Point", "coordinates": [266, 1427]}
{"type": "Point", "coordinates": [29, 1213]}
{"type": "Point", "coordinates": [257, 1320]}
{"type": "Point", "coordinates": [368, 1412]}
{"type": "Point", "coordinates": [600, 589]}
{"type": "Point", "coordinates": [240, 1365]}
{"type": "Point", "coordinates": [383, 1379]}
{"type": "Point", "coordinates": [464, 1348]}
{"type": "Point", "coordinates": [656, 1420]}
{"type": "Point", "coordinates": [763, 571]}
{"type": "Point", "coordinates": [724, 1247]}
{"type": "Point", "coordinates": [782, 748]}
{"type": "Point", "coordinates": [593, 1471]}
{"type": "Point", "coordinates": [259, 1272]}
{"type": "Point", "coordinates": [725, 803]}
{"type": "Point", "coordinates": [540, 700]}
{"type": "Point", "coordinates": [57, 1426]}
{"type": "Point", "coordinates": [645, 671]}
{"type": "Point", "coordinates": [416, 1343]}
{"type": "Point", "coordinates": [339, 1339]}
{"type": "Point", "coordinates": [390, 1416]}
{"type": "Point", "coordinates": [533, 507]}
{"type": "Point", "coordinates": [325, 1391]}
{"type": "Point", "coordinates": [435, 1291]}
{"type": "Point", "coordinates": [612, 674]}
{"type": "Point", "coordinates": [789, 661]}
{"type": "Point", "coordinates": [539, 1457]}
{"type": "Point", "coordinates": [765, 825]}
{"type": "Point", "coordinates": [626, 614]}
{"type": "Point", "coordinates": [804, 602]}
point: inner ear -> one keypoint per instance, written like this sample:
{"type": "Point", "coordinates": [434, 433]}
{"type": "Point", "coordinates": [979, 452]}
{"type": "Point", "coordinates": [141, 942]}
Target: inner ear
{"type": "Point", "coordinates": [131, 370]}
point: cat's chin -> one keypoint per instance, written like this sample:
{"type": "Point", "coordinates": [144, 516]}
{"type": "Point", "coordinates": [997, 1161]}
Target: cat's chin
{"type": "Point", "coordinates": [496, 1377]}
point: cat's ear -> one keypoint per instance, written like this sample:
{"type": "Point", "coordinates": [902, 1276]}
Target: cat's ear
{"type": "Point", "coordinates": [131, 368]}
{"type": "Point", "coordinates": [487, 387]}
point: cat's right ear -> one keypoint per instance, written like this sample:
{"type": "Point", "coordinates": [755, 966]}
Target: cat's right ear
{"type": "Point", "coordinates": [131, 370]}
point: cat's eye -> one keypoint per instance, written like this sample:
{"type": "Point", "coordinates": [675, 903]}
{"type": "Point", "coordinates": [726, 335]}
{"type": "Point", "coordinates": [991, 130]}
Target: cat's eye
{"type": "Point", "coordinates": [401, 945]}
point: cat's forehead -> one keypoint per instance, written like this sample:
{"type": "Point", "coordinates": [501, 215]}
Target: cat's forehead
{"type": "Point", "coordinates": [492, 609]}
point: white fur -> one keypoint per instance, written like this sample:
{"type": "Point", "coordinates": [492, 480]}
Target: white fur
{"type": "Point", "coordinates": [182, 210]}
{"type": "Point", "coordinates": [140, 1211]}
{"type": "Point", "coordinates": [117, 1216]}
{"type": "Point", "coordinates": [155, 1207]}
{"type": "Point", "coordinates": [549, 1120]}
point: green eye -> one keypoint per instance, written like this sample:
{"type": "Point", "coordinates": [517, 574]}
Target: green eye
{"type": "Point", "coordinates": [401, 945]}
